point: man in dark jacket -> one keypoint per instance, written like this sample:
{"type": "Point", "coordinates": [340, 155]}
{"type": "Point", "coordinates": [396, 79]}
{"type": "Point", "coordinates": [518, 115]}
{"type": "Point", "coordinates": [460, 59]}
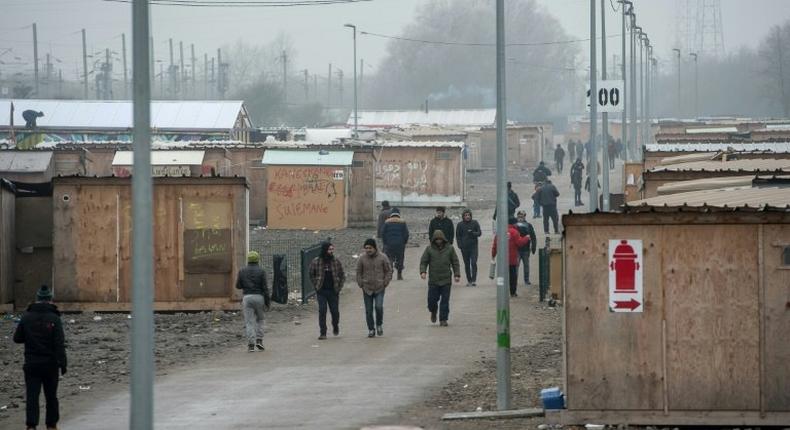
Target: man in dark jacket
{"type": "Point", "coordinates": [513, 201]}
{"type": "Point", "coordinates": [441, 222]}
{"type": "Point", "coordinates": [577, 172]}
{"type": "Point", "coordinates": [395, 236]}
{"type": "Point", "coordinates": [439, 263]}
{"type": "Point", "coordinates": [466, 233]}
{"type": "Point", "coordinates": [526, 229]}
{"type": "Point", "coordinates": [41, 330]}
{"type": "Point", "coordinates": [327, 276]}
{"type": "Point", "coordinates": [374, 273]}
{"type": "Point", "coordinates": [548, 201]}
{"type": "Point", "coordinates": [385, 213]}
{"type": "Point", "coordinates": [541, 173]}
{"type": "Point", "coordinates": [252, 281]}
{"type": "Point", "coordinates": [559, 157]}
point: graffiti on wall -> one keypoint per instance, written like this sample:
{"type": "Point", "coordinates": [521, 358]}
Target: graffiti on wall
{"type": "Point", "coordinates": [308, 197]}
{"type": "Point", "coordinates": [407, 176]}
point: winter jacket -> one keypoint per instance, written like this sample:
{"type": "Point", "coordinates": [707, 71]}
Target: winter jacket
{"type": "Point", "coordinates": [540, 174]}
{"type": "Point", "coordinates": [559, 154]}
{"type": "Point", "coordinates": [445, 225]}
{"type": "Point", "coordinates": [577, 171]}
{"type": "Point", "coordinates": [443, 262]}
{"type": "Point", "coordinates": [317, 273]}
{"type": "Point", "coordinates": [41, 330]}
{"type": "Point", "coordinates": [383, 216]}
{"type": "Point", "coordinates": [513, 203]}
{"type": "Point", "coordinates": [514, 242]}
{"type": "Point", "coordinates": [395, 232]}
{"type": "Point", "coordinates": [374, 273]}
{"type": "Point", "coordinates": [526, 229]}
{"type": "Point", "coordinates": [252, 280]}
{"type": "Point", "coordinates": [547, 196]}
{"type": "Point", "coordinates": [466, 233]}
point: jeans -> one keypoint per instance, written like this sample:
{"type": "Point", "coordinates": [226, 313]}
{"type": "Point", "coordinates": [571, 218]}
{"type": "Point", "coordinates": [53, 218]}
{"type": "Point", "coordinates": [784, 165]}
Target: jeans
{"type": "Point", "coordinates": [550, 211]}
{"type": "Point", "coordinates": [535, 210]}
{"type": "Point", "coordinates": [330, 298]}
{"type": "Point", "coordinates": [439, 297]}
{"type": "Point", "coordinates": [559, 166]}
{"type": "Point", "coordinates": [577, 194]}
{"type": "Point", "coordinates": [513, 271]}
{"type": "Point", "coordinates": [252, 305]}
{"type": "Point", "coordinates": [370, 300]}
{"type": "Point", "coordinates": [36, 377]}
{"type": "Point", "coordinates": [469, 255]}
{"type": "Point", "coordinates": [395, 254]}
{"type": "Point", "coordinates": [523, 257]}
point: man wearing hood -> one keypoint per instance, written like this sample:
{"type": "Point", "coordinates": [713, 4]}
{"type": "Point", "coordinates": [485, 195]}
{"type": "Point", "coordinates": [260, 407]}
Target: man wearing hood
{"type": "Point", "coordinates": [441, 222]}
{"type": "Point", "coordinates": [395, 236]}
{"type": "Point", "coordinates": [466, 233]}
{"type": "Point", "coordinates": [374, 273]}
{"type": "Point", "coordinates": [327, 276]}
{"type": "Point", "coordinates": [526, 229]}
{"type": "Point", "coordinates": [514, 241]}
{"type": "Point", "coordinates": [252, 281]}
{"type": "Point", "coordinates": [41, 330]}
{"type": "Point", "coordinates": [439, 263]}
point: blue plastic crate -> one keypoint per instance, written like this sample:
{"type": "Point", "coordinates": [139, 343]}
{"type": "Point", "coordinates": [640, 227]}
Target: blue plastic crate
{"type": "Point", "coordinates": [552, 398]}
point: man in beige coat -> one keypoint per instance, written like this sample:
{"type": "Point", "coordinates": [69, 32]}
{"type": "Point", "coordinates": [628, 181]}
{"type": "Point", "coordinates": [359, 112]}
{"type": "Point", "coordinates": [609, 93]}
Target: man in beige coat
{"type": "Point", "coordinates": [374, 273]}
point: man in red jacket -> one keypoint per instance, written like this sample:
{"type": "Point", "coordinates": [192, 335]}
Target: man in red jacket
{"type": "Point", "coordinates": [514, 241]}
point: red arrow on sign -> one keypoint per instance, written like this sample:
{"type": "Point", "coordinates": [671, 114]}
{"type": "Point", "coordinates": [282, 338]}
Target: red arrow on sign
{"type": "Point", "coordinates": [631, 304]}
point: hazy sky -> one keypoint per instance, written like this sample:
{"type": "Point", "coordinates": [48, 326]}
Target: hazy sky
{"type": "Point", "coordinates": [317, 32]}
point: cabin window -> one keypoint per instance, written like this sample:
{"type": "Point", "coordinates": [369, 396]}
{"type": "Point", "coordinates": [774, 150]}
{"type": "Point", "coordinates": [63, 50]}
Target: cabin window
{"type": "Point", "coordinates": [786, 256]}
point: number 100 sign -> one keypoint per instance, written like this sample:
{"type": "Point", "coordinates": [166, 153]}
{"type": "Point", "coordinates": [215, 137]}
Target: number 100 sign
{"type": "Point", "coordinates": [610, 96]}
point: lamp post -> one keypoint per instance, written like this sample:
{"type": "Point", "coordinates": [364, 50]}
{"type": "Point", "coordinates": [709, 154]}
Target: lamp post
{"type": "Point", "coordinates": [677, 52]}
{"type": "Point", "coordinates": [626, 91]}
{"type": "Point", "coordinates": [635, 30]}
{"type": "Point", "coordinates": [356, 106]}
{"type": "Point", "coordinates": [593, 167]}
{"type": "Point", "coordinates": [696, 83]}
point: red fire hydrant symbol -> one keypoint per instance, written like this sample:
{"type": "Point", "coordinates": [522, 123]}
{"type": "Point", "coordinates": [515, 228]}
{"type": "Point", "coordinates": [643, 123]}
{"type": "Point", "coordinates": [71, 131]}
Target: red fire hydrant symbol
{"type": "Point", "coordinates": [625, 267]}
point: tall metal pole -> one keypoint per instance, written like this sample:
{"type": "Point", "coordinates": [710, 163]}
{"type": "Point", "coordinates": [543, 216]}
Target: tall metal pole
{"type": "Point", "coordinates": [205, 75]}
{"type": "Point", "coordinates": [220, 76]}
{"type": "Point", "coordinates": [152, 69]}
{"type": "Point", "coordinates": [329, 87]}
{"type": "Point", "coordinates": [356, 106]}
{"type": "Point", "coordinates": [285, 76]}
{"type": "Point", "coordinates": [605, 118]}
{"type": "Point", "coordinates": [632, 126]}
{"type": "Point", "coordinates": [181, 77]}
{"type": "Point", "coordinates": [680, 109]}
{"type": "Point", "coordinates": [84, 65]}
{"type": "Point", "coordinates": [35, 57]}
{"type": "Point", "coordinates": [125, 70]}
{"type": "Point", "coordinates": [592, 169]}
{"type": "Point", "coordinates": [642, 69]}
{"type": "Point", "coordinates": [503, 293]}
{"type": "Point", "coordinates": [626, 91]}
{"type": "Point", "coordinates": [194, 72]}
{"type": "Point", "coordinates": [648, 88]}
{"type": "Point", "coordinates": [142, 379]}
{"type": "Point", "coordinates": [696, 85]}
{"type": "Point", "coordinates": [107, 75]}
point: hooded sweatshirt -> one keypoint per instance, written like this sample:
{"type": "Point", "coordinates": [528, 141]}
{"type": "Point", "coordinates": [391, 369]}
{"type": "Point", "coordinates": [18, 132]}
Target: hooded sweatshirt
{"type": "Point", "coordinates": [514, 241]}
{"type": "Point", "coordinates": [467, 232]}
{"type": "Point", "coordinates": [440, 261]}
{"type": "Point", "coordinates": [41, 330]}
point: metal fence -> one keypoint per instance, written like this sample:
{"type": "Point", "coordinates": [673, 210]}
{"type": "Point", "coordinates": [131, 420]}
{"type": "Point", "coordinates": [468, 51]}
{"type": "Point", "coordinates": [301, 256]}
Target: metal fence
{"type": "Point", "coordinates": [297, 253]}
{"type": "Point", "coordinates": [306, 255]}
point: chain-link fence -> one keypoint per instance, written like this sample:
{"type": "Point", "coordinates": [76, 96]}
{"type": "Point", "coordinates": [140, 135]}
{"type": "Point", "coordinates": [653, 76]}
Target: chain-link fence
{"type": "Point", "coordinates": [292, 248]}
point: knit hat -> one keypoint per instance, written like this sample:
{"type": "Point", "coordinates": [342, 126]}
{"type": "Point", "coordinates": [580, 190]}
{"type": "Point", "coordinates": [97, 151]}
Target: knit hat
{"type": "Point", "coordinates": [512, 220]}
{"type": "Point", "coordinates": [253, 257]}
{"type": "Point", "coordinates": [44, 294]}
{"type": "Point", "coordinates": [371, 242]}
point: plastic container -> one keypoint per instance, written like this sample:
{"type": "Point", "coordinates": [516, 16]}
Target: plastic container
{"type": "Point", "coordinates": [552, 398]}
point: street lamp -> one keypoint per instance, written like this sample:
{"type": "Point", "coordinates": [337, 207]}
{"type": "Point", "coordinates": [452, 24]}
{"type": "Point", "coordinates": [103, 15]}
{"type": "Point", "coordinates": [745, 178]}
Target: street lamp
{"type": "Point", "coordinates": [356, 107]}
{"type": "Point", "coordinates": [677, 52]}
{"type": "Point", "coordinates": [626, 91]}
{"type": "Point", "coordinates": [696, 87]}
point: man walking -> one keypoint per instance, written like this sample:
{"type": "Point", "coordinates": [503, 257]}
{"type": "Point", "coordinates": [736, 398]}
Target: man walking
{"type": "Point", "coordinates": [526, 229]}
{"type": "Point", "coordinates": [466, 233]}
{"type": "Point", "coordinates": [559, 157]}
{"type": "Point", "coordinates": [547, 196]}
{"type": "Point", "coordinates": [513, 201]}
{"type": "Point", "coordinates": [395, 236]}
{"type": "Point", "coordinates": [374, 273]}
{"type": "Point", "coordinates": [327, 276]}
{"type": "Point", "coordinates": [41, 330]}
{"type": "Point", "coordinates": [252, 281]}
{"type": "Point", "coordinates": [385, 213]}
{"type": "Point", "coordinates": [441, 222]}
{"type": "Point", "coordinates": [541, 173]}
{"type": "Point", "coordinates": [577, 172]}
{"type": "Point", "coordinates": [514, 241]}
{"type": "Point", "coordinates": [439, 263]}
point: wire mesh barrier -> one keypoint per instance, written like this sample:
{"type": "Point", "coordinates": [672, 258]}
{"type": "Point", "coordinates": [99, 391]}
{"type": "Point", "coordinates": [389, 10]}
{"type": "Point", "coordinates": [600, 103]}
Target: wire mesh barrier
{"type": "Point", "coordinates": [292, 257]}
{"type": "Point", "coordinates": [544, 263]}
{"type": "Point", "coordinates": [306, 255]}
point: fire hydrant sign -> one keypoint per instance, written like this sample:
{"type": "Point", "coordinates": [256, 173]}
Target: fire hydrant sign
{"type": "Point", "coordinates": [625, 275]}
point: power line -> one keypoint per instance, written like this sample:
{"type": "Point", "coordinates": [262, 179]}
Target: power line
{"type": "Point", "coordinates": [241, 3]}
{"type": "Point", "coordinates": [439, 42]}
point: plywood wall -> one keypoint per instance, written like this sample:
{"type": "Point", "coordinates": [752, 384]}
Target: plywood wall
{"type": "Point", "coordinates": [312, 197]}
{"type": "Point", "coordinates": [776, 296]}
{"type": "Point", "coordinates": [420, 175]}
{"type": "Point", "coordinates": [7, 245]}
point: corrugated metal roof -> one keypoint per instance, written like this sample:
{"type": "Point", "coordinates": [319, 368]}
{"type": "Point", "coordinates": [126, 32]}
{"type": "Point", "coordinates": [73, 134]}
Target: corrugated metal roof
{"type": "Point", "coordinates": [723, 197]}
{"type": "Point", "coordinates": [117, 114]}
{"type": "Point", "coordinates": [162, 158]}
{"type": "Point", "coordinates": [749, 165]}
{"type": "Point", "coordinates": [450, 117]}
{"type": "Point", "coordinates": [711, 147]}
{"type": "Point", "coordinates": [307, 158]}
{"type": "Point", "coordinates": [418, 144]}
{"type": "Point", "coordinates": [777, 127]}
{"type": "Point", "coordinates": [327, 135]}
{"type": "Point", "coordinates": [426, 131]}
{"type": "Point", "coordinates": [703, 156]}
{"type": "Point", "coordinates": [711, 130]}
{"type": "Point", "coordinates": [24, 161]}
{"type": "Point", "coordinates": [705, 184]}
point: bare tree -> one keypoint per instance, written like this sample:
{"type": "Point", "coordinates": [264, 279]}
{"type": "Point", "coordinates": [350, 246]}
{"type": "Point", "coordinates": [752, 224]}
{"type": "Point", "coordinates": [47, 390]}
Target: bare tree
{"type": "Point", "coordinates": [775, 56]}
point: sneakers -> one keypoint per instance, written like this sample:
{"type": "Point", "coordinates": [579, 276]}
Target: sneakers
{"type": "Point", "coordinates": [322, 337]}
{"type": "Point", "coordinates": [433, 316]}
{"type": "Point", "coordinates": [371, 333]}
{"type": "Point", "coordinates": [380, 331]}
{"type": "Point", "coordinates": [335, 331]}
{"type": "Point", "coordinates": [474, 284]}
{"type": "Point", "coordinates": [400, 275]}
{"type": "Point", "coordinates": [251, 347]}
{"type": "Point", "coordinates": [259, 345]}
{"type": "Point", "coordinates": [443, 324]}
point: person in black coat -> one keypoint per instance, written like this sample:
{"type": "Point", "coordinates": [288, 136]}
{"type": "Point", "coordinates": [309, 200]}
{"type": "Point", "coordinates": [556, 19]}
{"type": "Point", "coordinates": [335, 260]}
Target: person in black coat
{"type": "Point", "coordinates": [541, 173]}
{"type": "Point", "coordinates": [577, 173]}
{"type": "Point", "coordinates": [547, 196]}
{"type": "Point", "coordinates": [466, 233]}
{"type": "Point", "coordinates": [395, 236]}
{"type": "Point", "coordinates": [441, 222]}
{"type": "Point", "coordinates": [559, 157]}
{"type": "Point", "coordinates": [41, 330]}
{"type": "Point", "coordinates": [526, 229]}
